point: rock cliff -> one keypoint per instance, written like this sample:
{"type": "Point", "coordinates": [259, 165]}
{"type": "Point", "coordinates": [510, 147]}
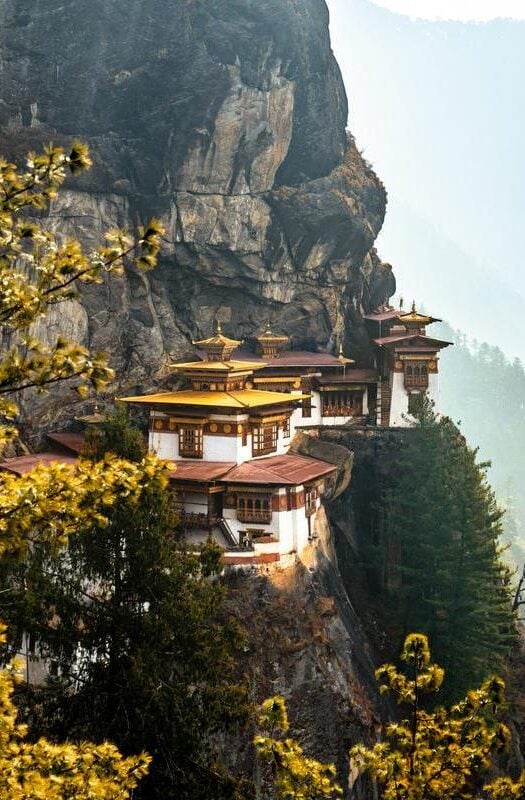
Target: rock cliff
{"type": "Point", "coordinates": [226, 118]}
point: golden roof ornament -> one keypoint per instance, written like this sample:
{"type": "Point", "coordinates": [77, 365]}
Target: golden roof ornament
{"type": "Point", "coordinates": [342, 358]}
{"type": "Point", "coordinates": [415, 318]}
{"type": "Point", "coordinates": [270, 344]}
{"type": "Point", "coordinates": [217, 347]}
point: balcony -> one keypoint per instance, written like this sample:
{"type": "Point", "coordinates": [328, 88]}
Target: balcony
{"type": "Point", "coordinates": [416, 382]}
{"type": "Point", "coordinates": [248, 515]}
{"type": "Point", "coordinates": [202, 522]}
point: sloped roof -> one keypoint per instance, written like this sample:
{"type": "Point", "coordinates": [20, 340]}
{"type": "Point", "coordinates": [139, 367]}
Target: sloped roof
{"type": "Point", "coordinates": [244, 398]}
{"type": "Point", "coordinates": [410, 337]}
{"type": "Point", "coordinates": [293, 358]}
{"type": "Point", "coordinates": [381, 316]}
{"type": "Point", "coordinates": [351, 376]}
{"type": "Point", "coordinates": [200, 470]}
{"type": "Point", "coordinates": [21, 465]}
{"type": "Point", "coordinates": [285, 470]}
{"type": "Point", "coordinates": [71, 441]}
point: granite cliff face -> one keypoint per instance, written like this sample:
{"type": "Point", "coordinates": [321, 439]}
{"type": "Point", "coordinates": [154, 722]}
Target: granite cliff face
{"type": "Point", "coordinates": [226, 118]}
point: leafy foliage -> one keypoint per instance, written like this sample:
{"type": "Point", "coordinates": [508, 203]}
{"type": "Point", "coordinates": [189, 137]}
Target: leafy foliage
{"type": "Point", "coordinates": [130, 618]}
{"type": "Point", "coordinates": [439, 755]}
{"type": "Point", "coordinates": [37, 271]}
{"type": "Point", "coordinates": [40, 509]}
{"type": "Point", "coordinates": [295, 776]}
{"type": "Point", "coordinates": [30, 771]}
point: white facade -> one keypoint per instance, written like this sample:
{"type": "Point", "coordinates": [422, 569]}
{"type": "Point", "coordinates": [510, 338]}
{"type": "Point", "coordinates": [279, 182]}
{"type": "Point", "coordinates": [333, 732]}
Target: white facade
{"type": "Point", "coordinates": [165, 444]}
{"type": "Point", "coordinates": [399, 415]}
{"type": "Point", "coordinates": [292, 528]}
{"type": "Point", "coordinates": [316, 417]}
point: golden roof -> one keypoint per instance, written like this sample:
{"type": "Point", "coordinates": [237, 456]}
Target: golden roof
{"type": "Point", "coordinates": [414, 317]}
{"type": "Point", "coordinates": [219, 366]}
{"type": "Point", "coordinates": [243, 398]}
{"type": "Point", "coordinates": [270, 336]}
{"type": "Point", "coordinates": [218, 340]}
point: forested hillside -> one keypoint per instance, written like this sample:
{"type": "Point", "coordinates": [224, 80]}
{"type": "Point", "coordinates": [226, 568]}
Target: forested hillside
{"type": "Point", "coordinates": [485, 392]}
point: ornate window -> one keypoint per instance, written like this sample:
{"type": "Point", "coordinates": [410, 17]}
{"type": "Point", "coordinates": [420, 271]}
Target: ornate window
{"type": "Point", "coordinates": [190, 441]}
{"type": "Point", "coordinates": [416, 374]}
{"type": "Point", "coordinates": [342, 404]}
{"type": "Point", "coordinates": [286, 428]}
{"type": "Point", "coordinates": [254, 508]}
{"type": "Point", "coordinates": [307, 407]}
{"type": "Point", "coordinates": [264, 439]}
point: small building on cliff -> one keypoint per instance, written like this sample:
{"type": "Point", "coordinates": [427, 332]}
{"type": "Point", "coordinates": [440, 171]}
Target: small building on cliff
{"type": "Point", "coordinates": [407, 362]}
{"type": "Point", "coordinates": [227, 429]}
{"type": "Point", "coordinates": [227, 437]}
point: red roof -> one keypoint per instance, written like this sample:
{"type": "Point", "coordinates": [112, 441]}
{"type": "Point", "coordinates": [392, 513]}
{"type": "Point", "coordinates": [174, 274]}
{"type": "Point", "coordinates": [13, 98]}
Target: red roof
{"type": "Point", "coordinates": [286, 470]}
{"type": "Point", "coordinates": [24, 464]}
{"type": "Point", "coordinates": [419, 338]}
{"type": "Point", "coordinates": [352, 376]}
{"type": "Point", "coordinates": [71, 441]}
{"type": "Point", "coordinates": [292, 358]}
{"type": "Point", "coordinates": [200, 470]}
{"type": "Point", "coordinates": [381, 316]}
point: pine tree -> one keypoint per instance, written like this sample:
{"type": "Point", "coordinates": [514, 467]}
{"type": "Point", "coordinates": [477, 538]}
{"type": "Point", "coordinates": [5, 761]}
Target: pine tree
{"type": "Point", "coordinates": [445, 575]}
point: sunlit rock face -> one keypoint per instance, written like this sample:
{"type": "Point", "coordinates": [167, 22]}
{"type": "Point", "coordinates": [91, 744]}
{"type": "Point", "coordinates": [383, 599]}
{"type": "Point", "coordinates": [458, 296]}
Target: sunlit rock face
{"type": "Point", "coordinates": [226, 119]}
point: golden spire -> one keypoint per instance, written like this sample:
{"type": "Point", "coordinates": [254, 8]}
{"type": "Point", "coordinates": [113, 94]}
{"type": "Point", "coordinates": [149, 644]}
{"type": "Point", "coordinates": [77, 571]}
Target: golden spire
{"type": "Point", "coordinates": [270, 344]}
{"type": "Point", "coordinates": [218, 347]}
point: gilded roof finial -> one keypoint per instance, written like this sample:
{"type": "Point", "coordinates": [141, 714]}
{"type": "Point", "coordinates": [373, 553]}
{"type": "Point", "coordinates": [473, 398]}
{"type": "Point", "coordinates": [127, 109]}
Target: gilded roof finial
{"type": "Point", "coordinates": [401, 303]}
{"type": "Point", "coordinates": [414, 309]}
{"type": "Point", "coordinates": [218, 326]}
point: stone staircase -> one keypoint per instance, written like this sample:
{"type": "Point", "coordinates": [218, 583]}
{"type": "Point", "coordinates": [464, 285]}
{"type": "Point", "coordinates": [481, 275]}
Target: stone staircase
{"type": "Point", "coordinates": [386, 399]}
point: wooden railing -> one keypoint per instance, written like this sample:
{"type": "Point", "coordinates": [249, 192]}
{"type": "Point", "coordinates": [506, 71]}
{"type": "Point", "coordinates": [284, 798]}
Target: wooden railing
{"type": "Point", "coordinates": [247, 515]}
{"type": "Point", "coordinates": [198, 521]}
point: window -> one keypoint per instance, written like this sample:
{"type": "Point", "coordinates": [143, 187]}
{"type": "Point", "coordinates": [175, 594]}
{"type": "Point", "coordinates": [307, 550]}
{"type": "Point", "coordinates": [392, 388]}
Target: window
{"type": "Point", "coordinates": [286, 428]}
{"type": "Point", "coordinates": [244, 436]}
{"type": "Point", "coordinates": [342, 404]}
{"type": "Point", "coordinates": [190, 442]}
{"type": "Point", "coordinates": [254, 508]}
{"type": "Point", "coordinates": [310, 500]}
{"type": "Point", "coordinates": [264, 440]}
{"type": "Point", "coordinates": [307, 407]}
{"type": "Point", "coordinates": [416, 375]}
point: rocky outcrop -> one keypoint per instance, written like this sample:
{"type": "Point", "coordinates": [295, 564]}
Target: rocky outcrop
{"type": "Point", "coordinates": [304, 641]}
{"type": "Point", "coordinates": [226, 120]}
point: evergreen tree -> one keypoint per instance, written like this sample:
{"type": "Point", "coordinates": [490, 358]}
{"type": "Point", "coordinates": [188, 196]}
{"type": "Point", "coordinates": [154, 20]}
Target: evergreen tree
{"type": "Point", "coordinates": [37, 271]}
{"type": "Point", "coordinates": [130, 618]}
{"type": "Point", "coordinates": [444, 572]}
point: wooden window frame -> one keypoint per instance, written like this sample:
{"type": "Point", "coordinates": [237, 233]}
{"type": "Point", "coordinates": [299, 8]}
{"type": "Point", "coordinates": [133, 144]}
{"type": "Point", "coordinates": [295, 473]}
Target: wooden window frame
{"type": "Point", "coordinates": [264, 439]}
{"type": "Point", "coordinates": [254, 508]}
{"type": "Point", "coordinates": [307, 408]}
{"type": "Point", "coordinates": [191, 441]}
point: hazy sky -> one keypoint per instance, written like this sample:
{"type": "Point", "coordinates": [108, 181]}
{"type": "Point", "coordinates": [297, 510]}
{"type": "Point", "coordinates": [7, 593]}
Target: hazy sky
{"type": "Point", "coordinates": [438, 108]}
{"type": "Point", "coordinates": [465, 10]}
